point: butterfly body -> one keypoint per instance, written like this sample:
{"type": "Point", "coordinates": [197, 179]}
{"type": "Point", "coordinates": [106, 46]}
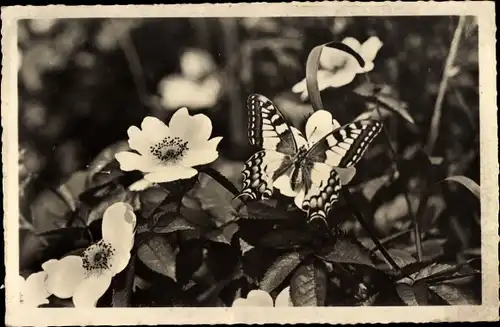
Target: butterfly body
{"type": "Point", "coordinates": [307, 168]}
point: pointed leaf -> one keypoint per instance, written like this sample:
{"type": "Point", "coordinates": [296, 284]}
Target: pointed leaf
{"type": "Point", "coordinates": [173, 225]}
{"type": "Point", "coordinates": [280, 270]}
{"type": "Point", "coordinates": [467, 182]}
{"type": "Point", "coordinates": [346, 250]}
{"type": "Point", "coordinates": [308, 286]}
{"type": "Point", "coordinates": [157, 254]}
{"type": "Point", "coordinates": [224, 234]}
{"type": "Point", "coordinates": [416, 294]}
{"type": "Point", "coordinates": [454, 295]}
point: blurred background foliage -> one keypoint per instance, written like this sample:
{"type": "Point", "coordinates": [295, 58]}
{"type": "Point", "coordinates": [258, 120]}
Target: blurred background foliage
{"type": "Point", "coordinates": [83, 82]}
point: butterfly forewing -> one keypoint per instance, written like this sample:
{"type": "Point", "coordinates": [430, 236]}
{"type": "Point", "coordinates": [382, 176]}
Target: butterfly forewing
{"type": "Point", "coordinates": [267, 129]}
{"type": "Point", "coordinates": [345, 146]}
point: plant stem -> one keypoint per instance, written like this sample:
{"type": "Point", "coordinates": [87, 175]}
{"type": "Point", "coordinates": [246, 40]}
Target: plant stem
{"type": "Point", "coordinates": [436, 118]}
{"type": "Point", "coordinates": [370, 230]}
{"type": "Point", "coordinates": [221, 179]}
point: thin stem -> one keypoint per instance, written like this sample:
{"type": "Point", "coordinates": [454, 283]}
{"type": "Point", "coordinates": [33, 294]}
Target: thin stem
{"type": "Point", "coordinates": [221, 179]}
{"type": "Point", "coordinates": [436, 118]}
{"type": "Point", "coordinates": [416, 224]}
{"type": "Point", "coordinates": [369, 229]}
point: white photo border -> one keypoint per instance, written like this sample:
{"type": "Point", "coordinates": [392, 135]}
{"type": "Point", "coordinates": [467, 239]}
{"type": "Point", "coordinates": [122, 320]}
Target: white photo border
{"type": "Point", "coordinates": [487, 311]}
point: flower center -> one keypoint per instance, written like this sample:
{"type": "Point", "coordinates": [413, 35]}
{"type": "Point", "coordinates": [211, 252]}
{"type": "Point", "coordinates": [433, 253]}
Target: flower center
{"type": "Point", "coordinates": [170, 149]}
{"type": "Point", "coordinates": [97, 257]}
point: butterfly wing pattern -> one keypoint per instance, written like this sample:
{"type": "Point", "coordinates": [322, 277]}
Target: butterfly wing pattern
{"type": "Point", "coordinates": [342, 148]}
{"type": "Point", "coordinates": [269, 131]}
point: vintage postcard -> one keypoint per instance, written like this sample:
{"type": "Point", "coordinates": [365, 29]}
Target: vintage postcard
{"type": "Point", "coordinates": [250, 163]}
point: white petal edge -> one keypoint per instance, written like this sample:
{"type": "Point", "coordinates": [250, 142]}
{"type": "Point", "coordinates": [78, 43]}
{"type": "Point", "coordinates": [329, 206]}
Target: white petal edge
{"type": "Point", "coordinates": [204, 153]}
{"type": "Point", "coordinates": [35, 291]}
{"type": "Point", "coordinates": [154, 129]}
{"type": "Point", "coordinates": [193, 129]}
{"type": "Point", "coordinates": [65, 276]}
{"type": "Point", "coordinates": [91, 289]}
{"type": "Point", "coordinates": [319, 124]}
{"type": "Point", "coordinates": [283, 299]}
{"type": "Point", "coordinates": [169, 174]}
{"type": "Point", "coordinates": [370, 48]}
{"type": "Point", "coordinates": [118, 224]}
{"type": "Point", "coordinates": [140, 185]}
{"type": "Point", "coordinates": [257, 298]}
{"type": "Point", "coordinates": [137, 140]}
{"type": "Point", "coordinates": [130, 161]}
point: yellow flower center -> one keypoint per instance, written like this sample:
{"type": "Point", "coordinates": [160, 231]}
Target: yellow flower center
{"type": "Point", "coordinates": [170, 149]}
{"type": "Point", "coordinates": [96, 257]}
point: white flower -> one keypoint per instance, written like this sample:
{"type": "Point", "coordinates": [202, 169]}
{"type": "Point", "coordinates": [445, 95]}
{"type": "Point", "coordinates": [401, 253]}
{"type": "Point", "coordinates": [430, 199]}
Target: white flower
{"type": "Point", "coordinates": [85, 278]}
{"type": "Point", "coordinates": [32, 289]}
{"type": "Point", "coordinates": [338, 68]}
{"type": "Point", "coordinates": [168, 152]}
{"type": "Point", "coordinates": [177, 91]}
{"type": "Point", "coordinates": [260, 298]}
{"type": "Point", "coordinates": [318, 125]}
{"type": "Point", "coordinates": [197, 87]}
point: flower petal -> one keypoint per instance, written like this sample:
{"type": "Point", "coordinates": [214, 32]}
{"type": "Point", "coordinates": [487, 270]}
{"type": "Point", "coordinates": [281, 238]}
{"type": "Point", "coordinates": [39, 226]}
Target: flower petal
{"type": "Point", "coordinates": [346, 174]}
{"type": "Point", "coordinates": [132, 161]}
{"type": "Point", "coordinates": [299, 199]}
{"type": "Point", "coordinates": [65, 276]}
{"type": "Point", "coordinates": [204, 153]}
{"type": "Point", "coordinates": [169, 174]}
{"type": "Point", "coordinates": [91, 289]}
{"type": "Point", "coordinates": [154, 129]}
{"type": "Point", "coordinates": [318, 126]}
{"type": "Point", "coordinates": [352, 43]}
{"type": "Point", "coordinates": [332, 58]}
{"type": "Point", "coordinates": [190, 128]}
{"type": "Point", "coordinates": [340, 78]}
{"type": "Point", "coordinates": [283, 184]}
{"type": "Point", "coordinates": [283, 299]}
{"type": "Point", "coordinates": [140, 185]}
{"type": "Point", "coordinates": [119, 261]}
{"type": "Point", "coordinates": [137, 140]}
{"type": "Point", "coordinates": [35, 292]}
{"type": "Point", "coordinates": [118, 224]}
{"type": "Point", "coordinates": [300, 86]}
{"type": "Point", "coordinates": [299, 138]}
{"type": "Point", "coordinates": [370, 48]}
{"type": "Point", "coordinates": [255, 298]}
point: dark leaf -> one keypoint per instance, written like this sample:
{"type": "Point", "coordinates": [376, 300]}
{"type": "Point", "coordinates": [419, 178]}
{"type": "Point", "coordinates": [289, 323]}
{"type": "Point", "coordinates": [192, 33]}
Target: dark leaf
{"type": "Point", "coordinates": [308, 286]}
{"type": "Point", "coordinates": [259, 210]}
{"type": "Point", "coordinates": [454, 295]}
{"type": "Point", "coordinates": [468, 183]}
{"type": "Point", "coordinates": [157, 254]}
{"type": "Point", "coordinates": [285, 238]}
{"type": "Point", "coordinates": [223, 234]}
{"type": "Point", "coordinates": [104, 167]}
{"type": "Point", "coordinates": [346, 250]}
{"type": "Point", "coordinates": [280, 270]}
{"type": "Point", "coordinates": [413, 295]}
{"type": "Point", "coordinates": [122, 285]}
{"type": "Point", "coordinates": [188, 260]}
{"type": "Point", "coordinates": [401, 257]}
{"type": "Point", "coordinates": [169, 225]}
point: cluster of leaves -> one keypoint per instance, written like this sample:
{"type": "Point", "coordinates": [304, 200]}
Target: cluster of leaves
{"type": "Point", "coordinates": [396, 237]}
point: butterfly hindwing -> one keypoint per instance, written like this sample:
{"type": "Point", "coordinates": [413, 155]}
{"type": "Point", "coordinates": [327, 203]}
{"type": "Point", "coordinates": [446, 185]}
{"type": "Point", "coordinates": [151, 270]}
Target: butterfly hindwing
{"type": "Point", "coordinates": [323, 191]}
{"type": "Point", "coordinates": [344, 146]}
{"type": "Point", "coordinates": [267, 129]}
{"type": "Point", "coordinates": [259, 173]}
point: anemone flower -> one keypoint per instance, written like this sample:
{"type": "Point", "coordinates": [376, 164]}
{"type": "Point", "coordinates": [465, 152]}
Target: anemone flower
{"type": "Point", "coordinates": [338, 68]}
{"type": "Point", "coordinates": [260, 298]}
{"type": "Point", "coordinates": [169, 152]}
{"type": "Point", "coordinates": [32, 289]}
{"type": "Point", "coordinates": [318, 125]}
{"type": "Point", "coordinates": [85, 278]}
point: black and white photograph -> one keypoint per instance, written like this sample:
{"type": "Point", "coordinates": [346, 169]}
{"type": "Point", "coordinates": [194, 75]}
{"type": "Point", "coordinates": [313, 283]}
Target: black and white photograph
{"type": "Point", "coordinates": [234, 161]}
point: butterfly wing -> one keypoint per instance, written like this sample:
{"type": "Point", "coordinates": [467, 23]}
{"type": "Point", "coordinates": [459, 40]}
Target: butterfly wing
{"type": "Point", "coordinates": [341, 148]}
{"type": "Point", "coordinates": [346, 145]}
{"type": "Point", "coordinates": [260, 171]}
{"type": "Point", "coordinates": [322, 193]}
{"type": "Point", "coordinates": [267, 129]}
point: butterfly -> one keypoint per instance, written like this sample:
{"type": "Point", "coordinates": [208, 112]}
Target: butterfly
{"type": "Point", "coordinates": [309, 167]}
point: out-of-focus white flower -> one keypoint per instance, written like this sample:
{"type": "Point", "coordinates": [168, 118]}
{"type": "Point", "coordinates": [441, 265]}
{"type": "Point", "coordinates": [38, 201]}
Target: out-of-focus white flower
{"type": "Point", "coordinates": [318, 125]}
{"type": "Point", "coordinates": [197, 87]}
{"type": "Point", "coordinates": [19, 59]}
{"type": "Point", "coordinates": [169, 152]}
{"type": "Point", "coordinates": [196, 64]}
{"type": "Point", "coordinates": [42, 25]}
{"type": "Point", "coordinates": [338, 68]}
{"type": "Point", "coordinates": [32, 289]}
{"type": "Point", "coordinates": [260, 298]}
{"type": "Point", "coordinates": [177, 91]}
{"type": "Point", "coordinates": [85, 278]}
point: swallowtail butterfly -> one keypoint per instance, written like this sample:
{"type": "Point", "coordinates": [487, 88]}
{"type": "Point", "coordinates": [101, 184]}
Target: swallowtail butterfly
{"type": "Point", "coordinates": [311, 168]}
